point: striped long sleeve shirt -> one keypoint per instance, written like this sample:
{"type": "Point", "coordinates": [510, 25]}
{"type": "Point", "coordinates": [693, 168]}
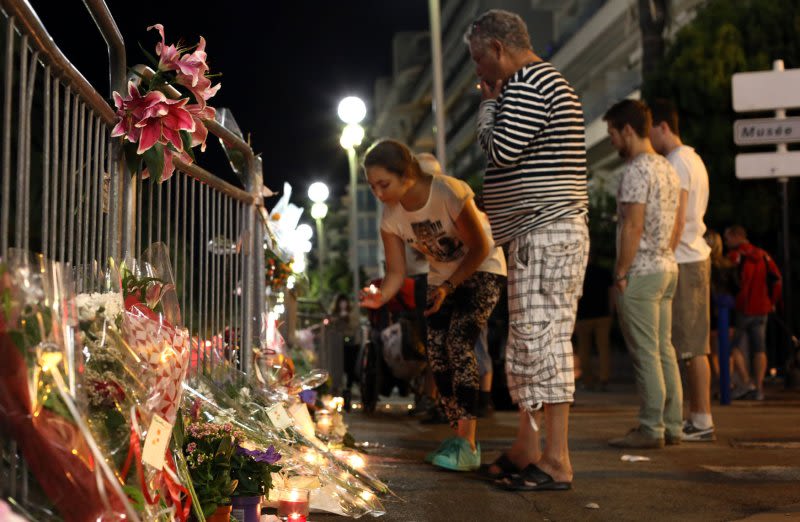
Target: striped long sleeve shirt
{"type": "Point", "coordinates": [533, 136]}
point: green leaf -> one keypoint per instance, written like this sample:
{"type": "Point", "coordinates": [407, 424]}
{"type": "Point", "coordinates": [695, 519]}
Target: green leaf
{"type": "Point", "coordinates": [153, 60]}
{"type": "Point", "coordinates": [132, 159]}
{"type": "Point", "coordinates": [186, 138]}
{"type": "Point", "coordinates": [154, 159]}
{"type": "Point", "coordinates": [136, 496]}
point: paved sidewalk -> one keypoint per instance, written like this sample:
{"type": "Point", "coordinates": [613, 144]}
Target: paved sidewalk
{"type": "Point", "coordinates": [752, 470]}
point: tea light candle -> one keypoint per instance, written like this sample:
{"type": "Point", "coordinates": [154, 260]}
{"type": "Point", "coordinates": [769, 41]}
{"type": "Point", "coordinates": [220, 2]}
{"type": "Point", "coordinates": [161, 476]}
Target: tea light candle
{"type": "Point", "coordinates": [324, 422]}
{"type": "Point", "coordinates": [293, 502]}
{"type": "Point", "coordinates": [297, 517]}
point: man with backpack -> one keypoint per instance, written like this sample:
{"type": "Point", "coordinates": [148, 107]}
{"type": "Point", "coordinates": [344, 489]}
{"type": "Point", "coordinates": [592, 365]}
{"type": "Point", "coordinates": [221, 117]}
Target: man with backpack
{"type": "Point", "coordinates": [759, 292]}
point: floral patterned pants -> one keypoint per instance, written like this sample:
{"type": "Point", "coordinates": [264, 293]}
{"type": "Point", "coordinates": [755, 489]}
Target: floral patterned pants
{"type": "Point", "coordinates": [452, 332]}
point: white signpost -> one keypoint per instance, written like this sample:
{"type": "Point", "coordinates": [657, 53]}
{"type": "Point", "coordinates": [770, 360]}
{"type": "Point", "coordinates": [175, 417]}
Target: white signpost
{"type": "Point", "coordinates": [776, 90]}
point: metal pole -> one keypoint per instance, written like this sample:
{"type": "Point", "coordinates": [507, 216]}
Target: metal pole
{"type": "Point", "coordinates": [438, 80]}
{"type": "Point", "coordinates": [351, 157]}
{"type": "Point", "coordinates": [782, 148]}
{"type": "Point", "coordinates": [321, 246]}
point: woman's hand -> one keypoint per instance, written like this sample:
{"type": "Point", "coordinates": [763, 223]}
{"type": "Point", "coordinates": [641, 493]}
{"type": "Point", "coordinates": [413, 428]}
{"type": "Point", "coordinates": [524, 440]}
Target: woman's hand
{"type": "Point", "coordinates": [436, 297]}
{"type": "Point", "coordinates": [371, 298]}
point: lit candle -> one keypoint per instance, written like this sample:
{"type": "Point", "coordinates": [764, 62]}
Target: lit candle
{"type": "Point", "coordinates": [297, 517]}
{"type": "Point", "coordinates": [324, 422]}
{"type": "Point", "coordinates": [293, 502]}
{"type": "Point", "coordinates": [373, 289]}
{"type": "Point", "coordinates": [356, 461]}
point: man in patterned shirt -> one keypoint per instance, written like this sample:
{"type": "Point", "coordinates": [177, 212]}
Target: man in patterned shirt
{"type": "Point", "coordinates": [646, 274]}
{"type": "Point", "coordinates": [530, 126]}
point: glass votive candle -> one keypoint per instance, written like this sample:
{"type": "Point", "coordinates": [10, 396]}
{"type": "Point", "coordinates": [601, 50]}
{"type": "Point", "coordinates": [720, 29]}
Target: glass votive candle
{"type": "Point", "coordinates": [324, 421]}
{"type": "Point", "coordinates": [293, 501]}
{"type": "Point", "coordinates": [296, 517]}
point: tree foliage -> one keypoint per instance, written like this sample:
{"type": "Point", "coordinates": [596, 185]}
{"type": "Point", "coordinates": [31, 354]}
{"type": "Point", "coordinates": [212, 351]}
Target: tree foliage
{"type": "Point", "coordinates": [727, 36]}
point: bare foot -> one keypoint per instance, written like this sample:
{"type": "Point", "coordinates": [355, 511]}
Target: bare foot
{"type": "Point", "coordinates": [558, 471]}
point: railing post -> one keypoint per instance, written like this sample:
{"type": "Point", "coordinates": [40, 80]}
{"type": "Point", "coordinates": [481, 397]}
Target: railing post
{"type": "Point", "coordinates": [255, 287]}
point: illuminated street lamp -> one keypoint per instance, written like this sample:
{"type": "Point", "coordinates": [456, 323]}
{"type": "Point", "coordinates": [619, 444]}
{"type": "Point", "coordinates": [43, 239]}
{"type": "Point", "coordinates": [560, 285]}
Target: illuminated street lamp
{"type": "Point", "coordinates": [318, 192]}
{"type": "Point", "coordinates": [352, 111]}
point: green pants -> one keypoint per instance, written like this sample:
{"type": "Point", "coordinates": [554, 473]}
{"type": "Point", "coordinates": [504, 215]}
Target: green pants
{"type": "Point", "coordinates": [646, 318]}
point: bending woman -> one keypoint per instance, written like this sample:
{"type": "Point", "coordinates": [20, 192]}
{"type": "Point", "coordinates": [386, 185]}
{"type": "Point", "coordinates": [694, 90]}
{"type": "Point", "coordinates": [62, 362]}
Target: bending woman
{"type": "Point", "coordinates": [436, 215]}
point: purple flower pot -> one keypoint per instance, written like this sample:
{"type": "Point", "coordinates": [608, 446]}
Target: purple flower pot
{"type": "Point", "coordinates": [247, 509]}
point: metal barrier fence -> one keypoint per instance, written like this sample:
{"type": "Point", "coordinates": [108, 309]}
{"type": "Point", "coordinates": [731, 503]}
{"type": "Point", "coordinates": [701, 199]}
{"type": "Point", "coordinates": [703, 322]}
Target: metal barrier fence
{"type": "Point", "coordinates": [65, 192]}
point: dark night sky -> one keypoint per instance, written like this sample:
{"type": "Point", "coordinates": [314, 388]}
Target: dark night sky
{"type": "Point", "coordinates": [285, 66]}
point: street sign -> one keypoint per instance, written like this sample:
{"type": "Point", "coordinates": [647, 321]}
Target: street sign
{"type": "Point", "coordinates": [766, 131]}
{"type": "Point", "coordinates": [766, 90]}
{"type": "Point", "coordinates": [760, 165]}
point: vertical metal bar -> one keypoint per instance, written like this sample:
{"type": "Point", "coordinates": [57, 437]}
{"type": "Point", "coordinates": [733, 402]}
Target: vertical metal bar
{"type": "Point", "coordinates": [72, 174]}
{"type": "Point", "coordinates": [245, 277]}
{"type": "Point", "coordinates": [138, 217]}
{"type": "Point", "coordinates": [213, 276]}
{"type": "Point", "coordinates": [5, 207]}
{"type": "Point", "coordinates": [22, 204]}
{"type": "Point", "coordinates": [46, 166]}
{"type": "Point", "coordinates": [53, 223]}
{"type": "Point", "coordinates": [97, 231]}
{"type": "Point", "coordinates": [159, 188]}
{"type": "Point", "coordinates": [79, 173]}
{"type": "Point", "coordinates": [150, 185]}
{"type": "Point", "coordinates": [88, 181]}
{"type": "Point", "coordinates": [225, 286]}
{"type": "Point", "coordinates": [184, 218]}
{"type": "Point", "coordinates": [64, 210]}
{"type": "Point", "coordinates": [119, 209]}
{"type": "Point", "coordinates": [191, 245]}
{"type": "Point", "coordinates": [237, 236]}
{"type": "Point", "coordinates": [169, 216]}
{"type": "Point", "coordinates": [28, 106]}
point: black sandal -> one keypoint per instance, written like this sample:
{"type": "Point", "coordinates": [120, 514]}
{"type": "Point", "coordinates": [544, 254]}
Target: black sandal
{"type": "Point", "coordinates": [507, 468]}
{"type": "Point", "coordinates": [532, 479]}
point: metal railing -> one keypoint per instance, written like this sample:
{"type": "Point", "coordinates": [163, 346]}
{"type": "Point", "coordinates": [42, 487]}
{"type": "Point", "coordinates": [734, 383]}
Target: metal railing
{"type": "Point", "coordinates": [65, 192]}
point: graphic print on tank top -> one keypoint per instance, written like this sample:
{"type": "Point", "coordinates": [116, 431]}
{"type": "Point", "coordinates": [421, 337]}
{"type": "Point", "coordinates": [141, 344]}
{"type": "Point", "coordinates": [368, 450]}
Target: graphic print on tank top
{"type": "Point", "coordinates": [432, 241]}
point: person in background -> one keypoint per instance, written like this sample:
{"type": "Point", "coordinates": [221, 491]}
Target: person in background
{"type": "Point", "coordinates": [646, 275]}
{"type": "Point", "coordinates": [759, 292]}
{"type": "Point", "coordinates": [594, 323]}
{"type": "Point", "coordinates": [436, 215]}
{"type": "Point", "coordinates": [724, 287]}
{"type": "Point", "coordinates": [345, 323]}
{"type": "Point", "coordinates": [690, 306]}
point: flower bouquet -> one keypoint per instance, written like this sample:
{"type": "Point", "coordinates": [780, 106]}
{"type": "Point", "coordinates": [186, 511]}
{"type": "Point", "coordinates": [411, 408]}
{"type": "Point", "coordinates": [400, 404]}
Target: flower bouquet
{"type": "Point", "coordinates": [37, 403]}
{"type": "Point", "coordinates": [209, 448]}
{"type": "Point", "coordinates": [161, 118]}
{"type": "Point", "coordinates": [134, 366]}
{"type": "Point", "coordinates": [252, 468]}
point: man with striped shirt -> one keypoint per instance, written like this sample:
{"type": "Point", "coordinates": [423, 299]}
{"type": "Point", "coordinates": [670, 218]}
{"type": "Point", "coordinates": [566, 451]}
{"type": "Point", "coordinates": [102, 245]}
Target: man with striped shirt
{"type": "Point", "coordinates": [530, 126]}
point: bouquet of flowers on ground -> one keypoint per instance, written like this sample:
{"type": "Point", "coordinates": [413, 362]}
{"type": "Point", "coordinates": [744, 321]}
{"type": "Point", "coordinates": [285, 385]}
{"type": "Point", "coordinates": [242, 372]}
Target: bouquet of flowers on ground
{"type": "Point", "coordinates": [37, 395]}
{"type": "Point", "coordinates": [134, 366]}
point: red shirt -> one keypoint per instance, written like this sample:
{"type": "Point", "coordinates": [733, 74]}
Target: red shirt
{"type": "Point", "coordinates": [756, 267]}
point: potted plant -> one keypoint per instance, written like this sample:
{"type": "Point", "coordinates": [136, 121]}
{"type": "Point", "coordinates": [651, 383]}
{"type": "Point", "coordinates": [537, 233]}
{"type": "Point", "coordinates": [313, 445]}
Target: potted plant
{"type": "Point", "coordinates": [209, 448]}
{"type": "Point", "coordinates": [252, 469]}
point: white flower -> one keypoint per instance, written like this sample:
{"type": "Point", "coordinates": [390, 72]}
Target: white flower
{"type": "Point", "coordinates": [90, 306]}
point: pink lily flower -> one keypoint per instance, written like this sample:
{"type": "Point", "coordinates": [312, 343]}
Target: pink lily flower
{"type": "Point", "coordinates": [202, 91]}
{"type": "Point", "coordinates": [190, 67]}
{"type": "Point", "coordinates": [162, 122]}
{"type": "Point", "coordinates": [200, 113]}
{"type": "Point", "coordinates": [130, 111]}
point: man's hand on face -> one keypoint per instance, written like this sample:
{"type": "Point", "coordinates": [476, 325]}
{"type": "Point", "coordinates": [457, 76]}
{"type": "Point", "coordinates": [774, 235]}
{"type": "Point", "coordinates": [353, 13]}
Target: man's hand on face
{"type": "Point", "coordinates": [489, 92]}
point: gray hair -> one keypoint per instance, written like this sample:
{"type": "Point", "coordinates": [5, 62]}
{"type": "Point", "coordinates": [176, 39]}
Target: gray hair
{"type": "Point", "coordinates": [497, 24]}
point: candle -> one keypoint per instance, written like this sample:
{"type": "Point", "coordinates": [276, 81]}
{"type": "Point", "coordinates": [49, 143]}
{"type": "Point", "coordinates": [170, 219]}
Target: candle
{"type": "Point", "coordinates": [297, 517]}
{"type": "Point", "coordinates": [293, 502]}
{"type": "Point", "coordinates": [356, 461]}
{"type": "Point", "coordinates": [373, 289]}
{"type": "Point", "coordinates": [324, 422]}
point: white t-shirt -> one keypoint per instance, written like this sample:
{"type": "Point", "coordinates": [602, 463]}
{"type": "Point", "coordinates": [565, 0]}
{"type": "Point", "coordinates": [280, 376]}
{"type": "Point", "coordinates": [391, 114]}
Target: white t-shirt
{"type": "Point", "coordinates": [432, 230]}
{"type": "Point", "coordinates": [694, 179]}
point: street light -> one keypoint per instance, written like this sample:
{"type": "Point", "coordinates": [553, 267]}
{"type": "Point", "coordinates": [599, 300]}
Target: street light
{"type": "Point", "coordinates": [352, 111]}
{"type": "Point", "coordinates": [318, 192]}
